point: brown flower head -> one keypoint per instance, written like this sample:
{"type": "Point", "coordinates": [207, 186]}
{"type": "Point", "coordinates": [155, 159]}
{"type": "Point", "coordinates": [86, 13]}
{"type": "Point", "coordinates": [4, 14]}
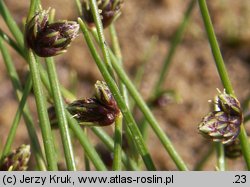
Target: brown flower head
{"type": "Point", "coordinates": [220, 127]}
{"type": "Point", "coordinates": [101, 110]}
{"type": "Point", "coordinates": [16, 160]}
{"type": "Point", "coordinates": [109, 11]}
{"type": "Point", "coordinates": [49, 39]}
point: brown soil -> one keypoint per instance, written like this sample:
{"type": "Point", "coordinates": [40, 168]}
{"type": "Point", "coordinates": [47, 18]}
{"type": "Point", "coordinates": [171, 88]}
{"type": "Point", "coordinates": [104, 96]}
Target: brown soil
{"type": "Point", "coordinates": [192, 73]}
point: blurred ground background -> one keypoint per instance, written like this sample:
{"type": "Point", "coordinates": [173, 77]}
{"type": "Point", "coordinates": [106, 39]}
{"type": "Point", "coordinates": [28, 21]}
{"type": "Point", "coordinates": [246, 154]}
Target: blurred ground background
{"type": "Point", "coordinates": [192, 72]}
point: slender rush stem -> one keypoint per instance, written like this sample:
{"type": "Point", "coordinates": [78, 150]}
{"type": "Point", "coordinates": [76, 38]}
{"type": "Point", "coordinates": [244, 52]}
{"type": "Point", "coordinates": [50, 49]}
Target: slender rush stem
{"type": "Point", "coordinates": [11, 42]}
{"type": "Point", "coordinates": [11, 24]}
{"type": "Point", "coordinates": [221, 164]}
{"type": "Point", "coordinates": [107, 140]}
{"type": "Point", "coordinates": [223, 73]}
{"type": "Point", "coordinates": [17, 118]}
{"type": "Point", "coordinates": [42, 113]}
{"type": "Point", "coordinates": [86, 159]}
{"type": "Point", "coordinates": [88, 148]}
{"type": "Point", "coordinates": [60, 113]}
{"type": "Point", "coordinates": [215, 47]}
{"type": "Point", "coordinates": [120, 101]}
{"type": "Point", "coordinates": [118, 124]}
{"type": "Point", "coordinates": [174, 43]}
{"type": "Point", "coordinates": [117, 164]}
{"type": "Point", "coordinates": [149, 116]}
{"type": "Point", "coordinates": [26, 113]}
{"type": "Point", "coordinates": [147, 113]}
{"type": "Point", "coordinates": [99, 28]}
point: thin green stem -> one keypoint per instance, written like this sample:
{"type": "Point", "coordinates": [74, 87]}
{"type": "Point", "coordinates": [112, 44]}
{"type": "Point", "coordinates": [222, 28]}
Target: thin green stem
{"type": "Point", "coordinates": [147, 113]}
{"type": "Point", "coordinates": [221, 163]}
{"type": "Point", "coordinates": [86, 159]}
{"type": "Point", "coordinates": [11, 42]}
{"type": "Point", "coordinates": [32, 9]}
{"type": "Point", "coordinates": [26, 113]}
{"type": "Point", "coordinates": [17, 118]}
{"type": "Point", "coordinates": [42, 113]}
{"type": "Point", "coordinates": [79, 6]}
{"type": "Point", "coordinates": [174, 43]}
{"type": "Point", "coordinates": [149, 116]}
{"type": "Point", "coordinates": [60, 113]}
{"type": "Point", "coordinates": [108, 141]}
{"type": "Point", "coordinates": [88, 148]}
{"type": "Point", "coordinates": [223, 73]}
{"type": "Point", "coordinates": [117, 164]}
{"type": "Point", "coordinates": [99, 28]}
{"type": "Point", "coordinates": [120, 101]}
{"type": "Point", "coordinates": [200, 164]}
{"type": "Point", "coordinates": [16, 32]}
{"type": "Point", "coordinates": [118, 124]}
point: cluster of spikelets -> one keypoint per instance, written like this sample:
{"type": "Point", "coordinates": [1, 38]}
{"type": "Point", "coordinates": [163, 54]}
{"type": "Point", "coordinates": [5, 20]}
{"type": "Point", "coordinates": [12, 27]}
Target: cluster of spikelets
{"type": "Point", "coordinates": [223, 124]}
{"type": "Point", "coordinates": [17, 160]}
{"type": "Point", "coordinates": [49, 39]}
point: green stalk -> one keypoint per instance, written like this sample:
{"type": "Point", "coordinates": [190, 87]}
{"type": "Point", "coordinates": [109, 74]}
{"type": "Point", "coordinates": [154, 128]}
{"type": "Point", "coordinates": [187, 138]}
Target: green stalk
{"type": "Point", "coordinates": [117, 164]}
{"type": "Point", "coordinates": [223, 73]}
{"type": "Point", "coordinates": [88, 148]}
{"type": "Point", "coordinates": [149, 116]}
{"type": "Point", "coordinates": [42, 113]}
{"type": "Point", "coordinates": [205, 157]}
{"type": "Point", "coordinates": [174, 43]}
{"type": "Point", "coordinates": [16, 32]}
{"type": "Point", "coordinates": [147, 113]}
{"type": "Point", "coordinates": [118, 123]}
{"type": "Point", "coordinates": [86, 159]}
{"type": "Point", "coordinates": [108, 141]}
{"type": "Point", "coordinates": [221, 164]}
{"type": "Point", "coordinates": [60, 113]}
{"type": "Point", "coordinates": [120, 101]}
{"type": "Point", "coordinates": [102, 42]}
{"type": "Point", "coordinates": [32, 9]}
{"type": "Point", "coordinates": [17, 118]}
{"type": "Point", "coordinates": [26, 113]}
{"type": "Point", "coordinates": [11, 42]}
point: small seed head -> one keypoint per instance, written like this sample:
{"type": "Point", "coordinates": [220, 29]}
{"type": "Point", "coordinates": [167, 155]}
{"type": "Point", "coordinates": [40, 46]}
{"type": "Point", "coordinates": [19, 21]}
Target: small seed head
{"type": "Point", "coordinates": [109, 10]}
{"type": "Point", "coordinates": [220, 127]}
{"type": "Point", "coordinates": [17, 160]}
{"type": "Point", "coordinates": [49, 39]}
{"type": "Point", "coordinates": [233, 149]}
{"type": "Point", "coordinates": [228, 103]}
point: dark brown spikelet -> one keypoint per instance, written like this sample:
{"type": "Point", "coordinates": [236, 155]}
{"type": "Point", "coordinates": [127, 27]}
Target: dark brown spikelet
{"type": "Point", "coordinates": [223, 124]}
{"type": "Point", "coordinates": [101, 109]}
{"type": "Point", "coordinates": [17, 160]}
{"type": "Point", "coordinates": [109, 11]}
{"type": "Point", "coordinates": [233, 150]}
{"type": "Point", "coordinates": [46, 39]}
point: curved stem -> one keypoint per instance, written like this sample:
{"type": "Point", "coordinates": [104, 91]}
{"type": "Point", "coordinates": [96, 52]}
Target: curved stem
{"type": "Point", "coordinates": [223, 73]}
